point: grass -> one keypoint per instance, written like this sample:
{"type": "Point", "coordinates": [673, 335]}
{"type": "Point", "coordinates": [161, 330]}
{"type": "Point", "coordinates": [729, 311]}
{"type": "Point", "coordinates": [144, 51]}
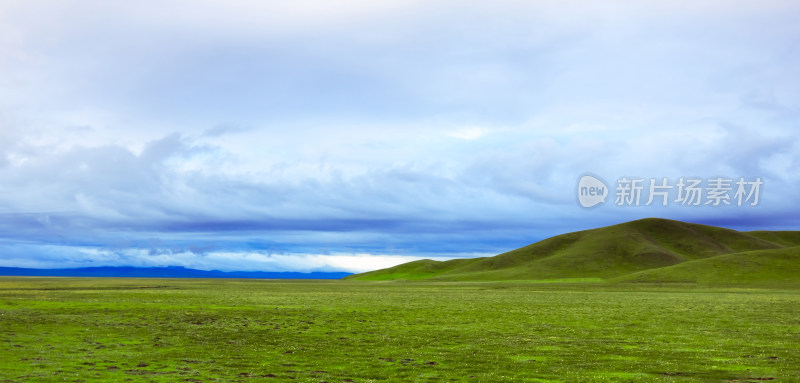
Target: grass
{"type": "Point", "coordinates": [167, 330]}
{"type": "Point", "coordinates": [606, 253]}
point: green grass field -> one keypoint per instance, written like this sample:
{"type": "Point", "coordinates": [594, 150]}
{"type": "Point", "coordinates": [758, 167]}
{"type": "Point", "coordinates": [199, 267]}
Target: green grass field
{"type": "Point", "coordinates": [167, 330]}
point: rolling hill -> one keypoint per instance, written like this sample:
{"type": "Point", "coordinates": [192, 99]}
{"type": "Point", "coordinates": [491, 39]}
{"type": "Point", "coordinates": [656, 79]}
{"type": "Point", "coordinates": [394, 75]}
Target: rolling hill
{"type": "Point", "coordinates": [634, 249]}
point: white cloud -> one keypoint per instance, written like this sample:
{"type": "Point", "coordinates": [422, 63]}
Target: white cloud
{"type": "Point", "coordinates": [54, 256]}
{"type": "Point", "coordinates": [471, 133]}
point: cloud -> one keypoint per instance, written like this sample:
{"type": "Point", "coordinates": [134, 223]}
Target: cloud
{"type": "Point", "coordinates": [50, 256]}
{"type": "Point", "coordinates": [223, 129]}
{"type": "Point", "coordinates": [471, 133]}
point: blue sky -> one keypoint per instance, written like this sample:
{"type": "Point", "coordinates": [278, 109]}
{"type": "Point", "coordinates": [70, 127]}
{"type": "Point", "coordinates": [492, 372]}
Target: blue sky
{"type": "Point", "coordinates": [352, 135]}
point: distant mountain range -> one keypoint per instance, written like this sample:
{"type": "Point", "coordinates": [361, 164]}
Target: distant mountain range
{"type": "Point", "coordinates": [164, 272]}
{"type": "Point", "coordinates": [647, 250]}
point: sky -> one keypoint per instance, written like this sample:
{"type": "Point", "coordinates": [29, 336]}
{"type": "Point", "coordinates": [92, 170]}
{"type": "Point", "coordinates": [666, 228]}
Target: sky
{"type": "Point", "coordinates": [318, 135]}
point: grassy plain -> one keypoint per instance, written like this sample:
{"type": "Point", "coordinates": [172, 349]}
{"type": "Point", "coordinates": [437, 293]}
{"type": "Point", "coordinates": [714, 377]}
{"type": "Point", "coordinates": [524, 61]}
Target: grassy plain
{"type": "Point", "coordinates": [167, 330]}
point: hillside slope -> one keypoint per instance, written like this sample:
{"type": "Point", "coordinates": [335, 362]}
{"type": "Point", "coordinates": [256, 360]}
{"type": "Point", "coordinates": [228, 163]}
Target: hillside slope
{"type": "Point", "coordinates": [783, 238]}
{"type": "Point", "coordinates": [776, 266]}
{"type": "Point", "coordinates": [606, 252]}
{"type": "Point", "coordinates": [424, 268]}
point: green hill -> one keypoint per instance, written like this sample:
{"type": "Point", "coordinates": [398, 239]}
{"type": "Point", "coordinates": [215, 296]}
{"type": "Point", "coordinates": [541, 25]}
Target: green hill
{"type": "Point", "coordinates": [783, 238]}
{"type": "Point", "coordinates": [607, 253]}
{"type": "Point", "coordinates": [424, 268]}
{"type": "Point", "coordinates": [777, 266]}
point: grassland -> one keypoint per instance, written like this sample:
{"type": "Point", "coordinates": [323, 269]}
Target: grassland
{"type": "Point", "coordinates": [167, 330]}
